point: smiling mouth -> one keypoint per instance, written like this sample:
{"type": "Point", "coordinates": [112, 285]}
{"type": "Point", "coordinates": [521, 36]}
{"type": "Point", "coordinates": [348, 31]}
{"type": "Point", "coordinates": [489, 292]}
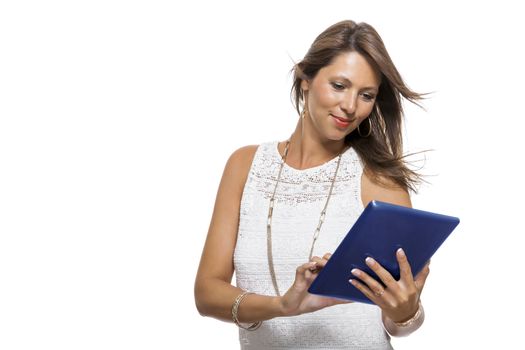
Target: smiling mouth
{"type": "Point", "coordinates": [343, 120]}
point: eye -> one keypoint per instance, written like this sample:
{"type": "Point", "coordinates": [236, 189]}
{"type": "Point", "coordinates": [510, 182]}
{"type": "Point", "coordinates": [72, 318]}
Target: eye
{"type": "Point", "coordinates": [338, 86]}
{"type": "Point", "coordinates": [368, 97]}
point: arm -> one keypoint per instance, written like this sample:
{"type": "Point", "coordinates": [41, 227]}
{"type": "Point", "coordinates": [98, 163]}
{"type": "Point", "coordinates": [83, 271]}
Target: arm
{"type": "Point", "coordinates": [403, 300]}
{"type": "Point", "coordinates": [214, 294]}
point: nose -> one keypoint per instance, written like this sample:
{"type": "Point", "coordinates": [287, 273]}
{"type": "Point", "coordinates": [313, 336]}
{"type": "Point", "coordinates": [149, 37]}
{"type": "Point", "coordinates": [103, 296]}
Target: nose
{"type": "Point", "coordinates": [349, 103]}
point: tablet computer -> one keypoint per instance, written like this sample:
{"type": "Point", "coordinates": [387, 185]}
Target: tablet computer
{"type": "Point", "coordinates": [380, 230]}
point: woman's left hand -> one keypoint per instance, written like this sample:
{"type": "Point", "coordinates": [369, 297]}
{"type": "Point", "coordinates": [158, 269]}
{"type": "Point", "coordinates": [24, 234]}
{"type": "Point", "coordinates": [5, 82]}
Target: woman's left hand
{"type": "Point", "coordinates": [399, 301]}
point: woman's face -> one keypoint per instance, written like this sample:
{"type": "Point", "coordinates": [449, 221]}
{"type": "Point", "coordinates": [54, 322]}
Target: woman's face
{"type": "Point", "coordinates": [341, 95]}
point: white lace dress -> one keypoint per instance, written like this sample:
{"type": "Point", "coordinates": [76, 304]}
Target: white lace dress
{"type": "Point", "coordinates": [300, 197]}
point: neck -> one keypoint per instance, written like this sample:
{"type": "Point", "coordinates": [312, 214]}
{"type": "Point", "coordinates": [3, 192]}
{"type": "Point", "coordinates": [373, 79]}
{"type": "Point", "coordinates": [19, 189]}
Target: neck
{"type": "Point", "coordinates": [308, 150]}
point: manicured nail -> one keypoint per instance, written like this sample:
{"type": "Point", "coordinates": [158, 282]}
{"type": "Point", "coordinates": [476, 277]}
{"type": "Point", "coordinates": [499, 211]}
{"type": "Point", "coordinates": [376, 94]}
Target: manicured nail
{"type": "Point", "coordinates": [401, 252]}
{"type": "Point", "coordinates": [351, 281]}
{"type": "Point", "coordinates": [370, 261]}
{"type": "Point", "coordinates": [355, 272]}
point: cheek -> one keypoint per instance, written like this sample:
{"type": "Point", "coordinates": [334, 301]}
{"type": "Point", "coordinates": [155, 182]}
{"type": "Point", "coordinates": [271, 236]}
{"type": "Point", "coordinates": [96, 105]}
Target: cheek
{"type": "Point", "coordinates": [365, 110]}
{"type": "Point", "coordinates": [323, 96]}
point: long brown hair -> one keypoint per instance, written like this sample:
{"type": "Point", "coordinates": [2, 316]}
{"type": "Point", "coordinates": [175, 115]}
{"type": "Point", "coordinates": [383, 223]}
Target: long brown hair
{"type": "Point", "coordinates": [381, 152]}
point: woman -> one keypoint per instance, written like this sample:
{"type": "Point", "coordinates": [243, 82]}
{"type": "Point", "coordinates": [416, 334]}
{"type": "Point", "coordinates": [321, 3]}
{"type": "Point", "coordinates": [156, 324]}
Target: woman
{"type": "Point", "coordinates": [282, 207]}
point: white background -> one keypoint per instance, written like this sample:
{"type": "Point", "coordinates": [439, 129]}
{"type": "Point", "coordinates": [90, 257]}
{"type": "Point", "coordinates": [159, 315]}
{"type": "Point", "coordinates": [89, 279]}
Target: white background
{"type": "Point", "coordinates": [116, 120]}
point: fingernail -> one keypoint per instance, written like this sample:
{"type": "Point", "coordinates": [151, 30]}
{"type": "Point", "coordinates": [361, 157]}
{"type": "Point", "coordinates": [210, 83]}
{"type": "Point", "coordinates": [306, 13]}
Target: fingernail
{"type": "Point", "coordinates": [355, 272]}
{"type": "Point", "coordinates": [401, 252]}
{"type": "Point", "coordinates": [351, 281]}
{"type": "Point", "coordinates": [370, 261]}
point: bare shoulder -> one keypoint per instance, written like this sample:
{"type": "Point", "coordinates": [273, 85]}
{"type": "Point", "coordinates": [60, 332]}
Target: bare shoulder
{"type": "Point", "coordinates": [239, 163]}
{"type": "Point", "coordinates": [243, 155]}
{"type": "Point", "coordinates": [375, 187]}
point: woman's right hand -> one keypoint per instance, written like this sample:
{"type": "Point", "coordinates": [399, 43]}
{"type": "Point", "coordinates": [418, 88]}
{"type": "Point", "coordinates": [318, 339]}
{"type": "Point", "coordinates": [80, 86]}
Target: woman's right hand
{"type": "Point", "coordinates": [297, 300]}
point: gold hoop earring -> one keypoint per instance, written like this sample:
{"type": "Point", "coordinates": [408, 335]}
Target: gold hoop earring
{"type": "Point", "coordinates": [369, 128]}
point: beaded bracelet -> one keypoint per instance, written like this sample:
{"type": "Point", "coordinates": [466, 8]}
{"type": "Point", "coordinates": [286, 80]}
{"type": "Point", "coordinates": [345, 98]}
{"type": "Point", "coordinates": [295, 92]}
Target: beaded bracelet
{"type": "Point", "coordinates": [235, 310]}
{"type": "Point", "coordinates": [413, 319]}
{"type": "Point", "coordinates": [403, 329]}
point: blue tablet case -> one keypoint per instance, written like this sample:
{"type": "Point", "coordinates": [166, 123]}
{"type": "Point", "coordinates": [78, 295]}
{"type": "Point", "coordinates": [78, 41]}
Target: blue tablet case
{"type": "Point", "coordinates": [379, 231]}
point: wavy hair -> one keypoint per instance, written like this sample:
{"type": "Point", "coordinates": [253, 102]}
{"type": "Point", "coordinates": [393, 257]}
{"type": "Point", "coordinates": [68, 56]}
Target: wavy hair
{"type": "Point", "coordinates": [382, 151]}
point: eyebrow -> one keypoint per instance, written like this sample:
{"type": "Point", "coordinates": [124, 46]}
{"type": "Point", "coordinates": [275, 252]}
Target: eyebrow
{"type": "Point", "coordinates": [342, 77]}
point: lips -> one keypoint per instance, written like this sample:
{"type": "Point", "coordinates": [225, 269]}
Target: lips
{"type": "Point", "coordinates": [342, 119]}
{"type": "Point", "coordinates": [341, 122]}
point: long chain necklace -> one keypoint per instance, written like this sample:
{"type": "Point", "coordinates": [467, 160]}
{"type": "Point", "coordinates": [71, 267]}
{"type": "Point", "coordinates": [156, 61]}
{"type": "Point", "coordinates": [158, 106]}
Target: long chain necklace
{"type": "Point", "coordinates": [270, 213]}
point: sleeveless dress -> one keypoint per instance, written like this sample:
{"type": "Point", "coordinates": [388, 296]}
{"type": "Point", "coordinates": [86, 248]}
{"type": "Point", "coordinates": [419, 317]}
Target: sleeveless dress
{"type": "Point", "coordinates": [300, 197]}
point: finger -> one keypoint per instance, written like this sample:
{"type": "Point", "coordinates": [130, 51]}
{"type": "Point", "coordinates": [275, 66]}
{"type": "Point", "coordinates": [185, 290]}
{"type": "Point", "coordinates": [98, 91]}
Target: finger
{"type": "Point", "coordinates": [424, 271]}
{"type": "Point", "coordinates": [404, 266]}
{"type": "Point", "coordinates": [327, 256]}
{"type": "Point", "coordinates": [301, 270]}
{"type": "Point", "coordinates": [310, 275]}
{"type": "Point", "coordinates": [304, 274]}
{"type": "Point", "coordinates": [376, 299]}
{"type": "Point", "coordinates": [421, 277]}
{"type": "Point", "coordinates": [369, 281]}
{"type": "Point", "coordinates": [321, 262]}
{"type": "Point", "coordinates": [382, 273]}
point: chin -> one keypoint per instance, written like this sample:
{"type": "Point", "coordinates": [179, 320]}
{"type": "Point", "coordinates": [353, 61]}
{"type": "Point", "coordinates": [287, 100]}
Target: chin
{"type": "Point", "coordinates": [337, 136]}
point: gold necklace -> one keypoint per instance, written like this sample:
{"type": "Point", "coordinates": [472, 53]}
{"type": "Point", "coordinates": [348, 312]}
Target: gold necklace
{"type": "Point", "coordinates": [270, 213]}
